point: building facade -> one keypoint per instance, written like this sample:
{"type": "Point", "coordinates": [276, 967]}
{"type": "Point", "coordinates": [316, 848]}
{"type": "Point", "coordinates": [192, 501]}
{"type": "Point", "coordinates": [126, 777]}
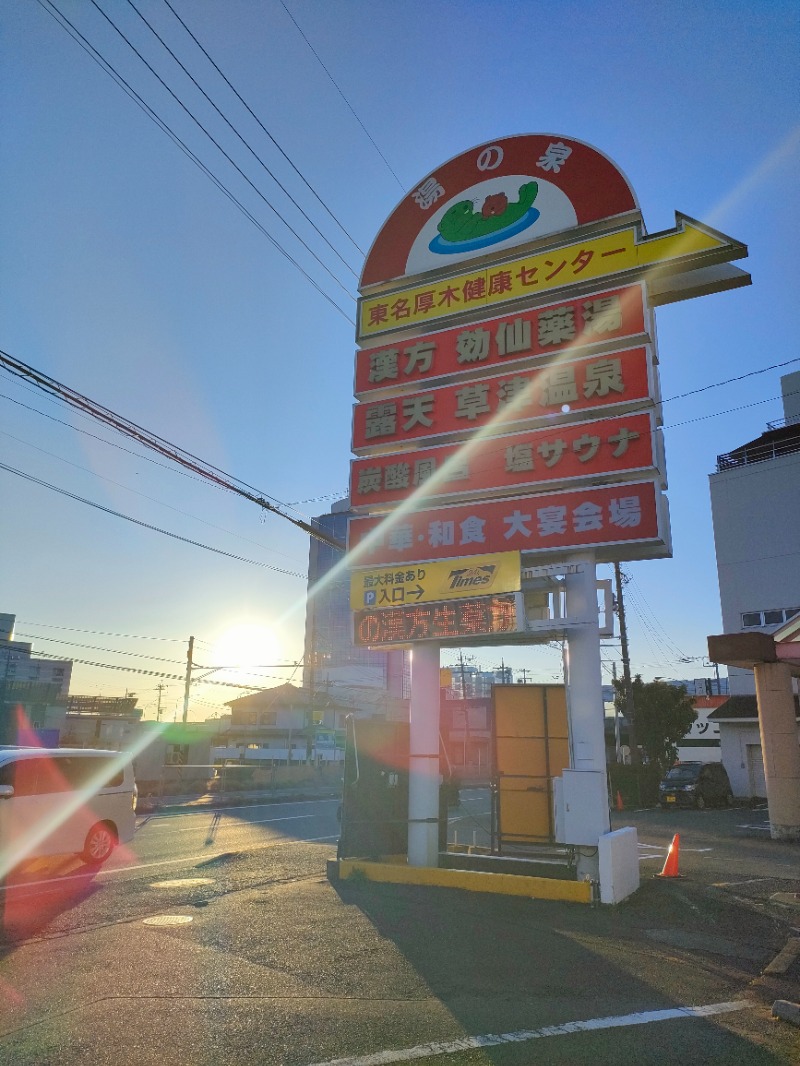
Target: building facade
{"type": "Point", "coordinates": [369, 682]}
{"type": "Point", "coordinates": [33, 691]}
{"type": "Point", "coordinates": [755, 506]}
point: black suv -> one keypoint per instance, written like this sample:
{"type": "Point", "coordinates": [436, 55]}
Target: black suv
{"type": "Point", "coordinates": [696, 784]}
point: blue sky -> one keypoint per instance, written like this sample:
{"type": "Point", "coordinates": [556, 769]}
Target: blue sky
{"type": "Point", "coordinates": [127, 275]}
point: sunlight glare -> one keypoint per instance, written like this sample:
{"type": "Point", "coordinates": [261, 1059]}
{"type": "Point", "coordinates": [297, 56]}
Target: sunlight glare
{"type": "Point", "coordinates": [246, 644]}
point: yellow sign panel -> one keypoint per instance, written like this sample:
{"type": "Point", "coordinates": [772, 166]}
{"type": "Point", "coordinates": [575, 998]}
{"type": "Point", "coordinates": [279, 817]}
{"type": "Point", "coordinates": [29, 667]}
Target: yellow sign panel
{"type": "Point", "coordinates": [449, 579]}
{"type": "Point", "coordinates": [591, 258]}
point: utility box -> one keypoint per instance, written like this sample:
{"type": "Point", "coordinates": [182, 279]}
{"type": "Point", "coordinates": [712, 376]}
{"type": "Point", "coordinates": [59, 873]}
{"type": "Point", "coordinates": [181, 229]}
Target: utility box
{"type": "Point", "coordinates": [374, 811]}
{"type": "Point", "coordinates": [580, 805]}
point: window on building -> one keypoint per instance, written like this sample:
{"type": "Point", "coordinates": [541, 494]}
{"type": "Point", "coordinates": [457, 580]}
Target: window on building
{"type": "Point", "coordinates": [756, 619]}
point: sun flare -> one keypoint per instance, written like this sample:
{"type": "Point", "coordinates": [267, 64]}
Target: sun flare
{"type": "Point", "coordinates": [246, 645]}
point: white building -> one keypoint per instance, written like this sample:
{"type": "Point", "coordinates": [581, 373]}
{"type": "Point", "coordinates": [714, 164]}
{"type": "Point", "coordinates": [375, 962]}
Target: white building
{"type": "Point", "coordinates": [755, 506]}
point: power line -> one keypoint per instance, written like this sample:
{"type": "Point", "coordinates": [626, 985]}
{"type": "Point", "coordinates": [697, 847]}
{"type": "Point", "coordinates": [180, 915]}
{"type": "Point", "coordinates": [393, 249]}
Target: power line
{"type": "Point", "coordinates": [78, 37]}
{"type": "Point", "coordinates": [93, 647]}
{"type": "Point", "coordinates": [155, 443]}
{"type": "Point", "coordinates": [241, 99]}
{"type": "Point", "coordinates": [727, 411]}
{"type": "Point", "coordinates": [730, 381]}
{"type": "Point", "coordinates": [247, 145]}
{"type": "Point", "coordinates": [339, 91]}
{"type": "Point", "coordinates": [103, 633]}
{"type": "Point", "coordinates": [77, 429]}
{"type": "Point", "coordinates": [154, 658]}
{"type": "Point", "coordinates": [219, 148]}
{"type": "Point", "coordinates": [145, 525]}
{"type": "Point", "coordinates": [146, 673]}
{"type": "Point", "coordinates": [136, 492]}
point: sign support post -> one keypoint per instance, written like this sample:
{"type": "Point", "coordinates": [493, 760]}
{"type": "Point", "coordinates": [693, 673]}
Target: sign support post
{"type": "Point", "coordinates": [423, 769]}
{"type": "Point", "coordinates": [584, 687]}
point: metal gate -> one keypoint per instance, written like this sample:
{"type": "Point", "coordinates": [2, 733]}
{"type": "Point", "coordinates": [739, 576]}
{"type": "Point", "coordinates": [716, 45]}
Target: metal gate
{"type": "Point", "coordinates": [530, 747]}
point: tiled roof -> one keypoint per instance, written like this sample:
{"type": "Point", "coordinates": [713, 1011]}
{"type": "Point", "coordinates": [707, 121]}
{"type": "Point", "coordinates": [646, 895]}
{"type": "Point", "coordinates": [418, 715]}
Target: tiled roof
{"type": "Point", "coordinates": [742, 708]}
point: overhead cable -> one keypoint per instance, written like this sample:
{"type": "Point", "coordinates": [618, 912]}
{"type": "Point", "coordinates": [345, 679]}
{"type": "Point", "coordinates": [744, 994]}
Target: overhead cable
{"type": "Point", "coordinates": [219, 148]}
{"type": "Point", "coordinates": [65, 24]}
{"type": "Point", "coordinates": [252, 113]}
{"type": "Point", "coordinates": [144, 525]}
{"type": "Point", "coordinates": [339, 91]}
{"type": "Point", "coordinates": [148, 673]}
{"type": "Point", "coordinates": [103, 632]}
{"type": "Point", "coordinates": [246, 143]}
{"type": "Point", "coordinates": [136, 492]}
{"type": "Point", "coordinates": [158, 444]}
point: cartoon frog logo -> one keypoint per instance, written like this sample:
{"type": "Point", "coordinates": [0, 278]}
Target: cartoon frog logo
{"type": "Point", "coordinates": [463, 229]}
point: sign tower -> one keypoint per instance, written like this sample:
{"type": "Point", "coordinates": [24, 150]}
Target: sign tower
{"type": "Point", "coordinates": [508, 402]}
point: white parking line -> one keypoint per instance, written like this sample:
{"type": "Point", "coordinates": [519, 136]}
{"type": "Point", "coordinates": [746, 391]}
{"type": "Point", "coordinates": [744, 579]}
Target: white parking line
{"type": "Point", "coordinates": [469, 1043]}
{"type": "Point", "coordinates": [765, 827]}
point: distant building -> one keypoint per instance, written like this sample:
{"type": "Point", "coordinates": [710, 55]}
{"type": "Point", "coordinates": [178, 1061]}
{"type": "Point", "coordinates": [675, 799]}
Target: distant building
{"type": "Point", "coordinates": [284, 724]}
{"type": "Point", "coordinates": [101, 722]}
{"type": "Point", "coordinates": [740, 737]}
{"type": "Point", "coordinates": [466, 732]}
{"type": "Point", "coordinates": [18, 663]}
{"type": "Point", "coordinates": [33, 691]}
{"type": "Point", "coordinates": [755, 506]}
{"type": "Point", "coordinates": [370, 682]}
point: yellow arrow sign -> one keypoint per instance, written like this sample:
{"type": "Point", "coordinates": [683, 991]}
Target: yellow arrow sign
{"type": "Point", "coordinates": [627, 251]}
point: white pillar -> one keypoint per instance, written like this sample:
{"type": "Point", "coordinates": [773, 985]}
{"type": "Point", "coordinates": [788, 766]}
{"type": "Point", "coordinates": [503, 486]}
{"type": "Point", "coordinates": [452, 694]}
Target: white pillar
{"type": "Point", "coordinates": [584, 672]}
{"type": "Point", "coordinates": [585, 697]}
{"type": "Point", "coordinates": [423, 768]}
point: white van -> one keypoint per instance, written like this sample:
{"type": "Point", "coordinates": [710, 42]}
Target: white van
{"type": "Point", "coordinates": [61, 801]}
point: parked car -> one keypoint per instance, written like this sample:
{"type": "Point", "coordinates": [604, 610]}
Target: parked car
{"type": "Point", "coordinates": [62, 801]}
{"type": "Point", "coordinates": [696, 784]}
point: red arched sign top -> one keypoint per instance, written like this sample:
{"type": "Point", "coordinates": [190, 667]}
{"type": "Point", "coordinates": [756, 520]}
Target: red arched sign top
{"type": "Point", "coordinates": [505, 192]}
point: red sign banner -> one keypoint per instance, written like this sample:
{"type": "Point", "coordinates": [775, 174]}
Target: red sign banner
{"type": "Point", "coordinates": [610, 448]}
{"type": "Point", "coordinates": [552, 522]}
{"type": "Point", "coordinates": [605, 381]}
{"type": "Point", "coordinates": [570, 184]}
{"type": "Point", "coordinates": [488, 346]}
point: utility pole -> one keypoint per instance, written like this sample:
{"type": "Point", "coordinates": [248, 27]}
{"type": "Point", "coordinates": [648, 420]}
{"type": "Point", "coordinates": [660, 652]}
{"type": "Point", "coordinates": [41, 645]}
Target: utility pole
{"type": "Point", "coordinates": [617, 743]}
{"type": "Point", "coordinates": [188, 682]}
{"type": "Point", "coordinates": [466, 709]}
{"type": "Point", "coordinates": [630, 710]}
{"type": "Point", "coordinates": [159, 688]}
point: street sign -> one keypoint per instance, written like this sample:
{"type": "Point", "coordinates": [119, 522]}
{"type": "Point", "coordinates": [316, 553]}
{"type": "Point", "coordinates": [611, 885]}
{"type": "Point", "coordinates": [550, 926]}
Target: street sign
{"type": "Point", "coordinates": [691, 245]}
{"type": "Point", "coordinates": [597, 320]}
{"type": "Point", "coordinates": [619, 521]}
{"type": "Point", "coordinates": [455, 622]}
{"type": "Point", "coordinates": [455, 579]}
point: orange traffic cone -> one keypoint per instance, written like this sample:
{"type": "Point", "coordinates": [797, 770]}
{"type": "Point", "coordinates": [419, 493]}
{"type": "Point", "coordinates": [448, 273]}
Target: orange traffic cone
{"type": "Point", "coordinates": [620, 804]}
{"type": "Point", "coordinates": [671, 862]}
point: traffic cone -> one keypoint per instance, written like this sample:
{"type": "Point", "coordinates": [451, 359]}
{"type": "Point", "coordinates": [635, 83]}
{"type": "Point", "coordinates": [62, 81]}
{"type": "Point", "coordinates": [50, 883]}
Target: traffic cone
{"type": "Point", "coordinates": [620, 804]}
{"type": "Point", "coordinates": [671, 862]}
